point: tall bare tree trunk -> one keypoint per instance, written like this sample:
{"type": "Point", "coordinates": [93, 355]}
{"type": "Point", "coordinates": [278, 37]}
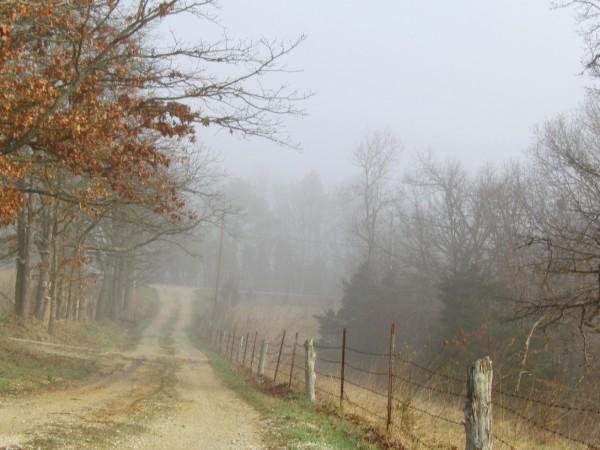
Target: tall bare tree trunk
{"type": "Point", "coordinates": [43, 246]}
{"type": "Point", "coordinates": [23, 261]}
{"type": "Point", "coordinates": [115, 300]}
{"type": "Point", "coordinates": [101, 302]}
{"type": "Point", "coordinates": [54, 275]}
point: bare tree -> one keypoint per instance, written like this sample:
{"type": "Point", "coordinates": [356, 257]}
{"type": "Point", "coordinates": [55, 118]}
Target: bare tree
{"type": "Point", "coordinates": [375, 158]}
{"type": "Point", "coordinates": [565, 231]}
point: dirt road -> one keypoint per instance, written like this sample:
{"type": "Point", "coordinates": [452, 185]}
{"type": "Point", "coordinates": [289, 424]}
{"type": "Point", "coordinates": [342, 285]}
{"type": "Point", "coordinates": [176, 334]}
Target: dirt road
{"type": "Point", "coordinates": [158, 397]}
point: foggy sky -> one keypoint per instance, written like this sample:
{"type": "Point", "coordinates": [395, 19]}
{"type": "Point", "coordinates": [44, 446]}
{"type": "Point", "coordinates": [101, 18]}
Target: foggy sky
{"type": "Point", "coordinates": [468, 79]}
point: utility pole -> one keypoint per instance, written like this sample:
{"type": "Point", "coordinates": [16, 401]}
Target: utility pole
{"type": "Point", "coordinates": [214, 312]}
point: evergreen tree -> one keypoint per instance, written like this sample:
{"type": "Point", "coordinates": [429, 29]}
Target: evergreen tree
{"type": "Point", "coordinates": [471, 321]}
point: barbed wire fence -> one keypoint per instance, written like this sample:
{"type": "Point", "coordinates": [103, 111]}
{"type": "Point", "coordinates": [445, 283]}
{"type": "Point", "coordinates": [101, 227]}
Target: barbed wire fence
{"type": "Point", "coordinates": [372, 385]}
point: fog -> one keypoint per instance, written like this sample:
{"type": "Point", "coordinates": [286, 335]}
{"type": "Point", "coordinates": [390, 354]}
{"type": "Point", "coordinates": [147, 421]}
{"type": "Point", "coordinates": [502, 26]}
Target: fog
{"type": "Point", "coordinates": [467, 79]}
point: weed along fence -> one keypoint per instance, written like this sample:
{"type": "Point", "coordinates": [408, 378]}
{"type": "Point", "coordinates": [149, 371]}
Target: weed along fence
{"type": "Point", "coordinates": [411, 404]}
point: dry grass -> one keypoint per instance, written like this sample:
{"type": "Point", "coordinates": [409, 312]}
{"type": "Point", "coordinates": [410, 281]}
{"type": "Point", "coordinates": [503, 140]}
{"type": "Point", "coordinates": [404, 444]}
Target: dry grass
{"type": "Point", "coordinates": [271, 317]}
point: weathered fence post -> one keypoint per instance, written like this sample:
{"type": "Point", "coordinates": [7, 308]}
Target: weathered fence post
{"type": "Point", "coordinates": [279, 357]}
{"type": "Point", "coordinates": [263, 359]}
{"type": "Point", "coordinates": [253, 348]}
{"type": "Point", "coordinates": [478, 407]}
{"type": "Point", "coordinates": [309, 370]}
{"type": "Point", "coordinates": [232, 347]}
{"type": "Point", "coordinates": [388, 424]}
{"type": "Point", "coordinates": [342, 370]}
{"type": "Point", "coordinates": [245, 348]}
{"type": "Point", "coordinates": [240, 351]}
{"type": "Point", "coordinates": [293, 361]}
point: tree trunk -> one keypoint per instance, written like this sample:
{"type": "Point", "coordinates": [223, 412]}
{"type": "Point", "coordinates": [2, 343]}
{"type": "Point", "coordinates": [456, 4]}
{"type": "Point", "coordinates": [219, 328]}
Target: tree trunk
{"type": "Point", "coordinates": [23, 260]}
{"type": "Point", "coordinates": [43, 246]}
{"type": "Point", "coordinates": [101, 302]}
{"type": "Point", "coordinates": [54, 276]}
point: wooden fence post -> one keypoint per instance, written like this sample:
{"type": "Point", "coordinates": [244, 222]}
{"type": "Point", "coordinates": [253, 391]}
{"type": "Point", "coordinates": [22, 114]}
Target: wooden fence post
{"type": "Point", "coordinates": [279, 357]}
{"type": "Point", "coordinates": [388, 424]}
{"type": "Point", "coordinates": [342, 370]}
{"type": "Point", "coordinates": [293, 361]}
{"type": "Point", "coordinates": [263, 359]}
{"type": "Point", "coordinates": [478, 407]}
{"type": "Point", "coordinates": [245, 349]}
{"type": "Point", "coordinates": [253, 348]}
{"type": "Point", "coordinates": [240, 351]}
{"type": "Point", "coordinates": [226, 350]}
{"type": "Point", "coordinates": [309, 370]}
{"type": "Point", "coordinates": [231, 347]}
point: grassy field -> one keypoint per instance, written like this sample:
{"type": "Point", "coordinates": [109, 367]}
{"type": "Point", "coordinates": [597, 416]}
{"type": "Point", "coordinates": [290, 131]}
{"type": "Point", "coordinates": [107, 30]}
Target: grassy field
{"type": "Point", "coordinates": [272, 314]}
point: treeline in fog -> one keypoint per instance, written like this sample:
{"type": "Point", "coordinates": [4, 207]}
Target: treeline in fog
{"type": "Point", "coordinates": [501, 260]}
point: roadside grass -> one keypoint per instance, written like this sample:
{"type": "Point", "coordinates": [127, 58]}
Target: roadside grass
{"type": "Point", "coordinates": [294, 422]}
{"type": "Point", "coordinates": [23, 371]}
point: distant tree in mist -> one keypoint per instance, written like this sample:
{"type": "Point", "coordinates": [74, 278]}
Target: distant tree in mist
{"type": "Point", "coordinates": [375, 158]}
{"type": "Point", "coordinates": [371, 302]}
{"type": "Point", "coordinates": [361, 312]}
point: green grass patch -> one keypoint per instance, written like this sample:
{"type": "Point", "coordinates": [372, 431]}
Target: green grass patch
{"type": "Point", "coordinates": [24, 371]}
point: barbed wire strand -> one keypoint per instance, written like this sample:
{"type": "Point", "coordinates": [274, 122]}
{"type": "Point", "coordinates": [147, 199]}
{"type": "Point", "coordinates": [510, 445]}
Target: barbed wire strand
{"type": "Point", "coordinates": [503, 442]}
{"type": "Point", "coordinates": [428, 388]}
{"type": "Point", "coordinates": [547, 429]}
{"type": "Point", "coordinates": [329, 361]}
{"type": "Point", "coordinates": [547, 404]}
{"type": "Point", "coordinates": [370, 372]}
